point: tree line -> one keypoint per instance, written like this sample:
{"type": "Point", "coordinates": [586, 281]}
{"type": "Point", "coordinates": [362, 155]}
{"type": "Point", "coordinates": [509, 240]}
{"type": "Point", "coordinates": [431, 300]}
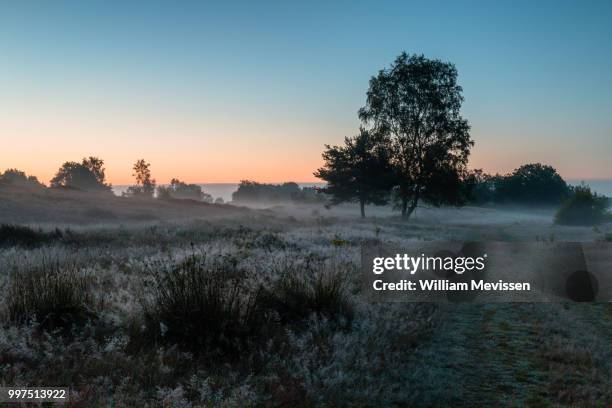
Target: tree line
{"type": "Point", "coordinates": [252, 192]}
{"type": "Point", "coordinates": [90, 175]}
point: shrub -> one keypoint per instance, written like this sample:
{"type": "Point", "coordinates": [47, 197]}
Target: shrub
{"type": "Point", "coordinates": [584, 207]}
{"type": "Point", "coordinates": [55, 296]}
{"type": "Point", "coordinates": [310, 287]}
{"type": "Point", "coordinates": [203, 306]}
{"type": "Point", "coordinates": [19, 235]}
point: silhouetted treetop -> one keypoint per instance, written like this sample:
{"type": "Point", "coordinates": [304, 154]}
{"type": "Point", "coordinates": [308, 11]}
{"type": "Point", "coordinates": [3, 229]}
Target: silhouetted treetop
{"type": "Point", "coordinates": [530, 184]}
{"type": "Point", "coordinates": [87, 175]}
{"type": "Point", "coordinates": [15, 177]}
{"type": "Point", "coordinates": [358, 171]}
{"type": "Point", "coordinates": [145, 184]}
{"type": "Point", "coordinates": [416, 104]}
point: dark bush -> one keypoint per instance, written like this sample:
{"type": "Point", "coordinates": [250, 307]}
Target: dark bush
{"type": "Point", "coordinates": [203, 306]}
{"type": "Point", "coordinates": [310, 287]}
{"type": "Point", "coordinates": [584, 207]}
{"type": "Point", "coordinates": [55, 296]}
{"type": "Point", "coordinates": [17, 235]}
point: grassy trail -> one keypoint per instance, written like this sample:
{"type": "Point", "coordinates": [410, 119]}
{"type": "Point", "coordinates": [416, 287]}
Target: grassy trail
{"type": "Point", "coordinates": [519, 355]}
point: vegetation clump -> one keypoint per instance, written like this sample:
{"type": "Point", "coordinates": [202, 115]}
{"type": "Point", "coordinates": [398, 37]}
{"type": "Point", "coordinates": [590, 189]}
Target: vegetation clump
{"type": "Point", "coordinates": [583, 207]}
{"type": "Point", "coordinates": [310, 287]}
{"type": "Point", "coordinates": [530, 184]}
{"type": "Point", "coordinates": [54, 295]}
{"type": "Point", "coordinates": [253, 192]}
{"type": "Point", "coordinates": [14, 177]}
{"type": "Point", "coordinates": [20, 235]}
{"type": "Point", "coordinates": [180, 190]}
{"type": "Point", "coordinates": [203, 305]}
{"type": "Point", "coordinates": [89, 175]}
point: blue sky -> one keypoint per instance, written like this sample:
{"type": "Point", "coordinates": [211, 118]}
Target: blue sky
{"type": "Point", "coordinates": [210, 92]}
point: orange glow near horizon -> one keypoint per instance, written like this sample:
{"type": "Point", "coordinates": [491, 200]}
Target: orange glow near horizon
{"type": "Point", "coordinates": [217, 149]}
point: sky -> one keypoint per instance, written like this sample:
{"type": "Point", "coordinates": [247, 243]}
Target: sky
{"type": "Point", "coordinates": [225, 91]}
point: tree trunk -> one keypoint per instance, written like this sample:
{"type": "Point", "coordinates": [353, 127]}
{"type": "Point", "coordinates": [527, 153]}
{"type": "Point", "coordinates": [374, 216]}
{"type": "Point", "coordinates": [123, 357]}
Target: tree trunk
{"type": "Point", "coordinates": [407, 211]}
{"type": "Point", "coordinates": [362, 208]}
{"type": "Point", "coordinates": [413, 206]}
{"type": "Point", "coordinates": [404, 207]}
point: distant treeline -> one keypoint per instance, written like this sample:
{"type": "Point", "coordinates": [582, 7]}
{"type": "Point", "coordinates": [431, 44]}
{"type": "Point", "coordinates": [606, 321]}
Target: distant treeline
{"type": "Point", "coordinates": [90, 175]}
{"type": "Point", "coordinates": [253, 192]}
{"type": "Point", "coordinates": [530, 184]}
{"type": "Point", "coordinates": [540, 185]}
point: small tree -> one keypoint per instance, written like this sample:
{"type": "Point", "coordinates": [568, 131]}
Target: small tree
{"type": "Point", "coordinates": [416, 104]}
{"type": "Point", "coordinates": [145, 185]}
{"type": "Point", "coordinates": [358, 171]}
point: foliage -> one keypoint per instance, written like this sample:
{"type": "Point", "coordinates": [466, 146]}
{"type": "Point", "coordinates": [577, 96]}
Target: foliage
{"type": "Point", "coordinates": [416, 104]}
{"type": "Point", "coordinates": [310, 287]}
{"type": "Point", "coordinates": [583, 207]}
{"type": "Point", "coordinates": [19, 178]}
{"type": "Point", "coordinates": [309, 195]}
{"type": "Point", "coordinates": [18, 235]}
{"type": "Point", "coordinates": [358, 171]}
{"type": "Point", "coordinates": [480, 187]}
{"type": "Point", "coordinates": [382, 354]}
{"type": "Point", "coordinates": [96, 166]}
{"type": "Point", "coordinates": [54, 295]}
{"type": "Point", "coordinates": [180, 190]}
{"type": "Point", "coordinates": [145, 185]}
{"type": "Point", "coordinates": [203, 306]}
{"type": "Point", "coordinates": [533, 183]}
{"type": "Point", "coordinates": [87, 175]}
{"type": "Point", "coordinates": [253, 192]}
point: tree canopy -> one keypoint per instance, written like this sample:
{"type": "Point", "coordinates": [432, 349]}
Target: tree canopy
{"type": "Point", "coordinates": [17, 177]}
{"type": "Point", "coordinates": [359, 171]}
{"type": "Point", "coordinates": [530, 184]}
{"type": "Point", "coordinates": [145, 184]}
{"type": "Point", "coordinates": [87, 175]}
{"type": "Point", "coordinates": [416, 105]}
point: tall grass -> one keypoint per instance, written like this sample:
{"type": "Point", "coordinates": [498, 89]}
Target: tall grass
{"type": "Point", "coordinates": [54, 295]}
{"type": "Point", "coordinates": [310, 287]}
{"type": "Point", "coordinates": [18, 235]}
{"type": "Point", "coordinates": [203, 305]}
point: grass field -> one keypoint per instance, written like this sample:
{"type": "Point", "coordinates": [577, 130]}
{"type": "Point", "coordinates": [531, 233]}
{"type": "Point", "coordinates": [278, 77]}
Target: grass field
{"type": "Point", "coordinates": [202, 305]}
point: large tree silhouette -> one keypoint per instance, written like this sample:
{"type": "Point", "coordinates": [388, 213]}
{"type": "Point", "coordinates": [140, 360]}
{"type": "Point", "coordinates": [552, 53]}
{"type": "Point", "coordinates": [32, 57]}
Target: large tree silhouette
{"type": "Point", "coordinates": [416, 104]}
{"type": "Point", "coordinates": [358, 171]}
